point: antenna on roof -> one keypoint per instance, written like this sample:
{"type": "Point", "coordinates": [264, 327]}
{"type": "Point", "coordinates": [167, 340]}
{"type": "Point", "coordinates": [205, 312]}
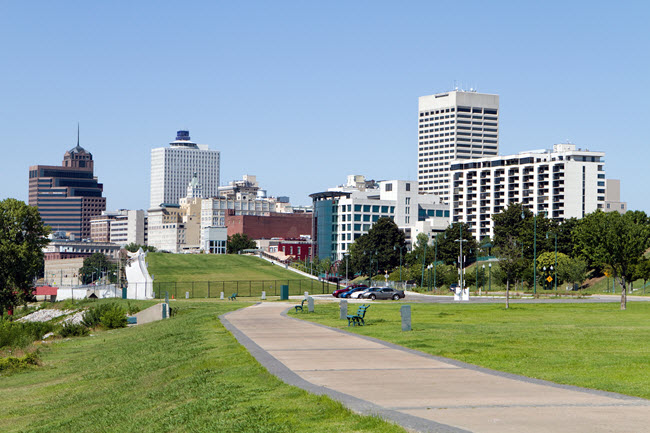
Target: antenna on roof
{"type": "Point", "coordinates": [77, 133]}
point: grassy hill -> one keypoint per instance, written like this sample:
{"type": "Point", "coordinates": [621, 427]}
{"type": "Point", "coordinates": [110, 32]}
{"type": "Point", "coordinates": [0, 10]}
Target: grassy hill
{"type": "Point", "coordinates": [184, 374]}
{"type": "Point", "coordinates": [206, 275]}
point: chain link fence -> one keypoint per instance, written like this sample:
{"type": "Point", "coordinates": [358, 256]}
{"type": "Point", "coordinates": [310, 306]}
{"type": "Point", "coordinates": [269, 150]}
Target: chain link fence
{"type": "Point", "coordinates": [244, 288]}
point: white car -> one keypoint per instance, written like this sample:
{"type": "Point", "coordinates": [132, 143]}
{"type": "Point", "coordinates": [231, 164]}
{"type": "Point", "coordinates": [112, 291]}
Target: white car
{"type": "Point", "coordinates": [357, 295]}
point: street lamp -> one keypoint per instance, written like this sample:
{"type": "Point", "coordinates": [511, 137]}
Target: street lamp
{"type": "Point", "coordinates": [460, 259]}
{"type": "Point", "coordinates": [483, 278]}
{"type": "Point", "coordinates": [424, 257]}
{"type": "Point", "coordinates": [435, 261]}
{"type": "Point", "coordinates": [346, 255]}
{"type": "Point", "coordinates": [490, 277]}
{"type": "Point", "coordinates": [534, 250]}
{"type": "Point", "coordinates": [544, 268]}
{"type": "Point", "coordinates": [429, 276]}
{"type": "Point", "coordinates": [554, 234]}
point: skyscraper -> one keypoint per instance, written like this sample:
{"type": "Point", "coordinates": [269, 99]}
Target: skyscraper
{"type": "Point", "coordinates": [68, 195]}
{"type": "Point", "coordinates": [454, 125]}
{"type": "Point", "coordinates": [173, 167]}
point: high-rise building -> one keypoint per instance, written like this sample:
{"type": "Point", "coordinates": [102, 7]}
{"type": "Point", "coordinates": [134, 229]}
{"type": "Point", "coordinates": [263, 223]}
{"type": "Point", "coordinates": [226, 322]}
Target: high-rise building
{"type": "Point", "coordinates": [565, 182]}
{"type": "Point", "coordinates": [68, 195]}
{"type": "Point", "coordinates": [172, 169]}
{"type": "Point", "coordinates": [454, 125]}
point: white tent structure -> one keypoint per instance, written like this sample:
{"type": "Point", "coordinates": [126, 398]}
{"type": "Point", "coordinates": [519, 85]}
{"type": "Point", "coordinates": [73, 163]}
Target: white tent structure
{"type": "Point", "coordinates": [139, 282]}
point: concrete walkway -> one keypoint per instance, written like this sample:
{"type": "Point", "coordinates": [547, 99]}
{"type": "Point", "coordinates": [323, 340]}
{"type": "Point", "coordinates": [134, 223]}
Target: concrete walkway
{"type": "Point", "coordinates": [422, 392]}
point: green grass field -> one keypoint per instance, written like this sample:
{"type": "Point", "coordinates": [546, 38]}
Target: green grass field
{"type": "Point", "coordinates": [591, 345]}
{"type": "Point", "coordinates": [207, 275]}
{"type": "Point", "coordinates": [184, 374]}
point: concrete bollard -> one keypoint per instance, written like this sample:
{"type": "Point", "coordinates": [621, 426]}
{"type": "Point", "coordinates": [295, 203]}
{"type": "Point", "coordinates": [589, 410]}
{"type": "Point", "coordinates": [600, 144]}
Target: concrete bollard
{"type": "Point", "coordinates": [263, 296]}
{"type": "Point", "coordinates": [221, 297]}
{"type": "Point", "coordinates": [344, 309]}
{"type": "Point", "coordinates": [187, 295]}
{"type": "Point", "coordinates": [306, 295]}
{"type": "Point", "coordinates": [405, 311]}
{"type": "Point", "coordinates": [164, 311]}
{"type": "Point", "coordinates": [167, 298]}
{"type": "Point", "coordinates": [310, 304]}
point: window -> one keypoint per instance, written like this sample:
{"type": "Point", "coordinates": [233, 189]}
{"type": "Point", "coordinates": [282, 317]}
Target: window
{"type": "Point", "coordinates": [366, 208]}
{"type": "Point", "coordinates": [389, 187]}
{"type": "Point", "coordinates": [408, 186]}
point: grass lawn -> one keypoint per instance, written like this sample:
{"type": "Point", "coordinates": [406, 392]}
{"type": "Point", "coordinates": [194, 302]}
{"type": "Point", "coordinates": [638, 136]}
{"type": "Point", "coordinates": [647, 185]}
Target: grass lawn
{"type": "Point", "coordinates": [204, 275]}
{"type": "Point", "coordinates": [590, 345]}
{"type": "Point", "coordinates": [184, 374]}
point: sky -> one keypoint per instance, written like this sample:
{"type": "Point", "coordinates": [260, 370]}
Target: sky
{"type": "Point", "coordinates": [302, 94]}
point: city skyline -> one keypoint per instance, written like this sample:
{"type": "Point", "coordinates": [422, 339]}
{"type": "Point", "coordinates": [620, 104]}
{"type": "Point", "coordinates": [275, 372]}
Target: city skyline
{"type": "Point", "coordinates": [333, 88]}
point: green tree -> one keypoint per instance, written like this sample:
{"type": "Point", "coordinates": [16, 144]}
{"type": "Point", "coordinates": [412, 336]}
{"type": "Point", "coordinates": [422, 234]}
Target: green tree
{"type": "Point", "coordinates": [96, 266]}
{"type": "Point", "coordinates": [642, 271]}
{"type": "Point", "coordinates": [576, 271]}
{"type": "Point", "coordinates": [449, 248]}
{"type": "Point", "coordinates": [22, 238]}
{"type": "Point", "coordinates": [511, 263]}
{"type": "Point", "coordinates": [380, 246]}
{"type": "Point", "coordinates": [133, 247]}
{"type": "Point", "coordinates": [509, 224]}
{"type": "Point", "coordinates": [238, 242]}
{"type": "Point", "coordinates": [615, 240]}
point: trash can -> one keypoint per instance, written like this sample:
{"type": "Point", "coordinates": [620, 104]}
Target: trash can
{"type": "Point", "coordinates": [284, 293]}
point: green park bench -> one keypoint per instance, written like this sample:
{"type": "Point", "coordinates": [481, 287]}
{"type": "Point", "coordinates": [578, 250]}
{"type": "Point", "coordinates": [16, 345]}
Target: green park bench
{"type": "Point", "coordinates": [300, 307]}
{"type": "Point", "coordinates": [232, 297]}
{"type": "Point", "coordinates": [358, 318]}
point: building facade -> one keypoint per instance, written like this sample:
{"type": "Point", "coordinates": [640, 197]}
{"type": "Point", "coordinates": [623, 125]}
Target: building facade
{"type": "Point", "coordinates": [345, 213]}
{"type": "Point", "coordinates": [173, 167]}
{"type": "Point", "coordinates": [564, 182]}
{"type": "Point", "coordinates": [274, 225]}
{"type": "Point", "coordinates": [121, 227]}
{"type": "Point", "coordinates": [613, 197]}
{"type": "Point", "coordinates": [454, 125]}
{"type": "Point", "coordinates": [67, 196]}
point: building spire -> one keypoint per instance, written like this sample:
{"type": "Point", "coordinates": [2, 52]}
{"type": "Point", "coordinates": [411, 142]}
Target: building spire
{"type": "Point", "coordinates": [77, 134]}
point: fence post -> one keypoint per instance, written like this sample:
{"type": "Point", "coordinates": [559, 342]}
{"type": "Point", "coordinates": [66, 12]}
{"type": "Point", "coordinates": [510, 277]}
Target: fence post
{"type": "Point", "coordinates": [238, 287]}
{"type": "Point", "coordinates": [192, 289]}
{"type": "Point", "coordinates": [175, 289]}
{"type": "Point", "coordinates": [249, 288]}
{"type": "Point", "coordinates": [208, 289]}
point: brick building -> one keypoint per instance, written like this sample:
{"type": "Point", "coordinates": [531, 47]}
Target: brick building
{"type": "Point", "coordinates": [275, 225]}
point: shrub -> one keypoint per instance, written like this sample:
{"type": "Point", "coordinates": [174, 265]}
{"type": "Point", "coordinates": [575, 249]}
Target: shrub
{"type": "Point", "coordinates": [132, 309]}
{"type": "Point", "coordinates": [114, 317]}
{"type": "Point", "coordinates": [93, 316]}
{"type": "Point", "coordinates": [13, 363]}
{"type": "Point", "coordinates": [74, 330]}
{"type": "Point", "coordinates": [22, 334]}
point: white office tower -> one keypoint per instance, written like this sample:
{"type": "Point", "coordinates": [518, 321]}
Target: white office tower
{"type": "Point", "coordinates": [173, 167]}
{"type": "Point", "coordinates": [454, 125]}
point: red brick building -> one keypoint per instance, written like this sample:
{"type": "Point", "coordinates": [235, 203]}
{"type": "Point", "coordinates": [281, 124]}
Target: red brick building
{"type": "Point", "coordinates": [299, 249]}
{"type": "Point", "coordinates": [275, 225]}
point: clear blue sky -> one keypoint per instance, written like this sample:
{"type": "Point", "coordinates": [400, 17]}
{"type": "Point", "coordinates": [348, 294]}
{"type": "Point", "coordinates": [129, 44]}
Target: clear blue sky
{"type": "Point", "coordinates": [302, 94]}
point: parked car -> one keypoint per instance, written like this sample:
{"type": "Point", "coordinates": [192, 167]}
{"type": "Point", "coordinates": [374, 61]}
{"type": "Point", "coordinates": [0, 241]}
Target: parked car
{"type": "Point", "coordinates": [337, 293]}
{"type": "Point", "coordinates": [351, 291]}
{"type": "Point", "coordinates": [356, 295]}
{"type": "Point", "coordinates": [384, 293]}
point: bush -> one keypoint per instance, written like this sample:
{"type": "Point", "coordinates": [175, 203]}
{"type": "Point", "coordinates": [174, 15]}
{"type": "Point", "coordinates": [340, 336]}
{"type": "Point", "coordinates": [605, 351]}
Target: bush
{"type": "Point", "coordinates": [132, 309]}
{"type": "Point", "coordinates": [22, 334]}
{"type": "Point", "coordinates": [74, 330]}
{"type": "Point", "coordinates": [114, 317]}
{"type": "Point", "coordinates": [93, 316]}
{"type": "Point", "coordinates": [12, 363]}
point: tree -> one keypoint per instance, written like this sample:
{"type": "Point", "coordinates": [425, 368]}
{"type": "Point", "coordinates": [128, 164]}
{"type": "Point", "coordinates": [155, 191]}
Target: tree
{"type": "Point", "coordinates": [509, 224]}
{"type": "Point", "coordinates": [381, 246]}
{"type": "Point", "coordinates": [642, 271]}
{"type": "Point", "coordinates": [511, 263]}
{"type": "Point", "coordinates": [95, 267]}
{"type": "Point", "coordinates": [238, 242]}
{"type": "Point", "coordinates": [615, 240]}
{"type": "Point", "coordinates": [133, 247]}
{"type": "Point", "coordinates": [22, 238]}
{"type": "Point", "coordinates": [576, 271]}
{"type": "Point", "coordinates": [449, 248]}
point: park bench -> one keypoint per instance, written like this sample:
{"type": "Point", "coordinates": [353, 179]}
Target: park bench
{"type": "Point", "coordinates": [232, 297]}
{"type": "Point", "coordinates": [300, 307]}
{"type": "Point", "coordinates": [358, 318]}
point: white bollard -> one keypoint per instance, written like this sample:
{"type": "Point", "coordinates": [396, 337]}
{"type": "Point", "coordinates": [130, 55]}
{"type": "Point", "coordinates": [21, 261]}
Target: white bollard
{"type": "Point", "coordinates": [263, 296]}
{"type": "Point", "coordinates": [187, 295]}
{"type": "Point", "coordinates": [221, 297]}
{"type": "Point", "coordinates": [306, 295]}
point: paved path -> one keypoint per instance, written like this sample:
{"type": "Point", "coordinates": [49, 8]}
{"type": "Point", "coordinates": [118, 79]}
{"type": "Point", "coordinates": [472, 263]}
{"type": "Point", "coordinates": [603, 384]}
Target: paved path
{"type": "Point", "coordinates": [422, 392]}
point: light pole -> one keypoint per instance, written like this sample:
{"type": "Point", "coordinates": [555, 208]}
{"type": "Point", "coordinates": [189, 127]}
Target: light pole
{"type": "Point", "coordinates": [346, 255]}
{"type": "Point", "coordinates": [534, 250]}
{"type": "Point", "coordinates": [554, 234]}
{"type": "Point", "coordinates": [460, 259]}
{"type": "Point", "coordinates": [424, 258]}
{"type": "Point", "coordinates": [435, 262]}
{"type": "Point", "coordinates": [483, 277]}
{"type": "Point", "coordinates": [429, 276]}
{"type": "Point", "coordinates": [490, 277]}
